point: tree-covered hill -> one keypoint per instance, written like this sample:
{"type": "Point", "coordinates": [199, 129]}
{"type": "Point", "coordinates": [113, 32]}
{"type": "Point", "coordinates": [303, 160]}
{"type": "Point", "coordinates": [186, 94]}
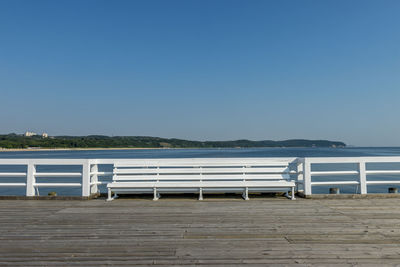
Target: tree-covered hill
{"type": "Point", "coordinates": [101, 141]}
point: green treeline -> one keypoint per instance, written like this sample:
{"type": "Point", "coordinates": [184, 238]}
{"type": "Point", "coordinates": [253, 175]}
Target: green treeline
{"type": "Point", "coordinates": [101, 141]}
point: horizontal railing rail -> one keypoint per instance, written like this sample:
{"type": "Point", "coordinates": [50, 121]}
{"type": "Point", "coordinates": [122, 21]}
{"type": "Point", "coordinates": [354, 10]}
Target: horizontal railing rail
{"type": "Point", "coordinates": [361, 172]}
{"type": "Point", "coordinates": [90, 174]}
{"type": "Point", "coordinates": [87, 174]}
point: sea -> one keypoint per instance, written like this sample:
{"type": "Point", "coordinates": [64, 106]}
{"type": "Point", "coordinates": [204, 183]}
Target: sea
{"type": "Point", "coordinates": [200, 153]}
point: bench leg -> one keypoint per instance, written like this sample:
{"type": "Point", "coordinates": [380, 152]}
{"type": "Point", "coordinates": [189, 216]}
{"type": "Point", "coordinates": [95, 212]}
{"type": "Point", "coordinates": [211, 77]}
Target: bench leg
{"type": "Point", "coordinates": [109, 195]}
{"type": "Point", "coordinates": [156, 196]}
{"type": "Point", "coordinates": [201, 194]}
{"type": "Point", "coordinates": [245, 194]}
{"type": "Point", "coordinates": [293, 198]}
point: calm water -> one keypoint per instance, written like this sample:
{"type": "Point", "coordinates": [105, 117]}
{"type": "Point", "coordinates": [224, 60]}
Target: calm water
{"type": "Point", "coordinates": [204, 153]}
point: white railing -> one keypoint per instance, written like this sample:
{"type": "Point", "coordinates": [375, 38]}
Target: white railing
{"type": "Point", "coordinates": [88, 174]}
{"type": "Point", "coordinates": [302, 168]}
{"type": "Point", "coordinates": [361, 172]}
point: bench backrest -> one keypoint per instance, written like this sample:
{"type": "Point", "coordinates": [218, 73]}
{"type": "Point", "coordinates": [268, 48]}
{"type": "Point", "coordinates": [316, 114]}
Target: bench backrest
{"type": "Point", "coordinates": [203, 169]}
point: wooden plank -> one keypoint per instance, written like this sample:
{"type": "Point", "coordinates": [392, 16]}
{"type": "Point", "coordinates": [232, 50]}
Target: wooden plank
{"type": "Point", "coordinates": [182, 231]}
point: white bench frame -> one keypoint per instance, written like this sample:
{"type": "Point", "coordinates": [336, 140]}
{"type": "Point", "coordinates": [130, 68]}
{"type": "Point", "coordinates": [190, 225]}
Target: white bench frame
{"type": "Point", "coordinates": [198, 175]}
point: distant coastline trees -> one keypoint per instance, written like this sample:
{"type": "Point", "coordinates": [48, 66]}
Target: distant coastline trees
{"type": "Point", "coordinates": [15, 141]}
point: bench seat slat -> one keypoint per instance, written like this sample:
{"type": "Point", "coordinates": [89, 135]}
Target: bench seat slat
{"type": "Point", "coordinates": [196, 184]}
{"type": "Point", "coordinates": [199, 170]}
{"type": "Point", "coordinates": [202, 164]}
{"type": "Point", "coordinates": [203, 177]}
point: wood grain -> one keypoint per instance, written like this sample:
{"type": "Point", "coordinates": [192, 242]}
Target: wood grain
{"type": "Point", "coordinates": [186, 232]}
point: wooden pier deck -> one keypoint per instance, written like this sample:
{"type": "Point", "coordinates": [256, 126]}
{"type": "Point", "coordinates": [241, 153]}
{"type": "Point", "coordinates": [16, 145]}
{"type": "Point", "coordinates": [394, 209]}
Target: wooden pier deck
{"type": "Point", "coordinates": [187, 232]}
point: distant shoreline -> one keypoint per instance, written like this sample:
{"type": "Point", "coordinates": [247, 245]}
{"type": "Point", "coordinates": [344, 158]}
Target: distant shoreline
{"type": "Point", "coordinates": [82, 149]}
{"type": "Point", "coordinates": [98, 142]}
{"type": "Point", "coordinates": [134, 148]}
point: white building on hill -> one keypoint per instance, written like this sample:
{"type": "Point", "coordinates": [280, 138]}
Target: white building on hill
{"type": "Point", "coordinates": [28, 134]}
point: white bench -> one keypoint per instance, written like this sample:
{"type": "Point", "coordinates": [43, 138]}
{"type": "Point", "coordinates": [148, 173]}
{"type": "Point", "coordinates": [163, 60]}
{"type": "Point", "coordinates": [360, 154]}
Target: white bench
{"type": "Point", "coordinates": [220, 175]}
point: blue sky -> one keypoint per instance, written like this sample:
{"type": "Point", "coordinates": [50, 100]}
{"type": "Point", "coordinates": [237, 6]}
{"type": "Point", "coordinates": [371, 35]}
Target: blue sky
{"type": "Point", "coordinates": [203, 70]}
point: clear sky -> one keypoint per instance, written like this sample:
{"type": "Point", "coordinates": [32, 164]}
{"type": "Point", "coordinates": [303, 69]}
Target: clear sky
{"type": "Point", "coordinates": [203, 70]}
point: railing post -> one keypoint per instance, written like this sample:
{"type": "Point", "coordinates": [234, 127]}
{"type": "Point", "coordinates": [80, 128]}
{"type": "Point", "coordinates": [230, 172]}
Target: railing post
{"type": "Point", "coordinates": [94, 178]}
{"type": "Point", "coordinates": [300, 174]}
{"type": "Point", "coordinates": [86, 179]}
{"type": "Point", "coordinates": [30, 180]}
{"type": "Point", "coordinates": [307, 177]}
{"type": "Point", "coordinates": [363, 177]}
